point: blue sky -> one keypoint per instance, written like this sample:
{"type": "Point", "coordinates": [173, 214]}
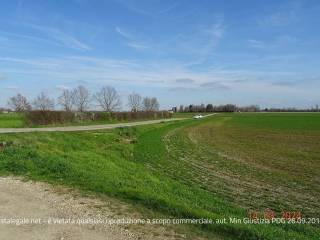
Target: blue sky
{"type": "Point", "coordinates": [181, 51]}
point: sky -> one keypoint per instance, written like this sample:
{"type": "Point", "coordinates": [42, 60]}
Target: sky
{"type": "Point", "coordinates": [180, 51]}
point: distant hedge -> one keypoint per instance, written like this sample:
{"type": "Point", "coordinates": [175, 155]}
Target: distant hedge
{"type": "Point", "coordinates": [63, 117]}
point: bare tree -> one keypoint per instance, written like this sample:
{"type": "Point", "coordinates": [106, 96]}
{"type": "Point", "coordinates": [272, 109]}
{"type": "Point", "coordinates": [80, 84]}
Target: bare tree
{"type": "Point", "coordinates": [155, 104]}
{"type": "Point", "coordinates": [135, 102]}
{"type": "Point", "coordinates": [150, 104]}
{"type": "Point", "coordinates": [43, 102]}
{"type": "Point", "coordinates": [66, 100]}
{"type": "Point", "coordinates": [81, 98]}
{"type": "Point", "coordinates": [108, 99]}
{"type": "Point", "coordinates": [19, 103]}
{"type": "Point", "coordinates": [209, 108]}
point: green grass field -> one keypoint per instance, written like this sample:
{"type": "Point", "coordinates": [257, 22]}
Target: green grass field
{"type": "Point", "coordinates": [220, 166]}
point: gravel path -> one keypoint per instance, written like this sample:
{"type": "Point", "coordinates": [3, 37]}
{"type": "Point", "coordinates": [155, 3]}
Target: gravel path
{"type": "Point", "coordinates": [33, 200]}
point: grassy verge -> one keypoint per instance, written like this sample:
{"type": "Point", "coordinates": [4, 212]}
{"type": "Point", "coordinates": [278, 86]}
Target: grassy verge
{"type": "Point", "coordinates": [11, 120]}
{"type": "Point", "coordinates": [17, 120]}
{"type": "Point", "coordinates": [218, 167]}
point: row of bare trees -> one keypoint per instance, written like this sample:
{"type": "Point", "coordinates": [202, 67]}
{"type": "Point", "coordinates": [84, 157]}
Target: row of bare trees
{"type": "Point", "coordinates": [206, 108]}
{"type": "Point", "coordinates": [80, 99]}
{"type": "Point", "coordinates": [218, 108]}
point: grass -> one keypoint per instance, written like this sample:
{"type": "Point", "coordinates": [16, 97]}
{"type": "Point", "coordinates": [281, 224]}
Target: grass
{"type": "Point", "coordinates": [217, 167]}
{"type": "Point", "coordinates": [259, 165]}
{"type": "Point", "coordinates": [11, 120]}
{"type": "Point", "coordinates": [279, 121]}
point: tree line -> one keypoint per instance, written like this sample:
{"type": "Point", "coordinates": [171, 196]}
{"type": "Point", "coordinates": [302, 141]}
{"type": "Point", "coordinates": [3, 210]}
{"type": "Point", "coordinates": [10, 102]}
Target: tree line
{"type": "Point", "coordinates": [218, 108]}
{"type": "Point", "coordinates": [234, 108]}
{"type": "Point", "coordinates": [81, 100]}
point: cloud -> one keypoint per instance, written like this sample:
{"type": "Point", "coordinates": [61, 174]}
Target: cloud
{"type": "Point", "coordinates": [280, 19]}
{"type": "Point", "coordinates": [216, 30]}
{"type": "Point", "coordinates": [283, 83]}
{"type": "Point", "coordinates": [200, 43]}
{"type": "Point", "coordinates": [61, 37]}
{"type": "Point", "coordinates": [133, 8]}
{"type": "Point", "coordinates": [62, 87]}
{"type": "Point", "coordinates": [10, 35]}
{"type": "Point", "coordinates": [33, 62]}
{"type": "Point", "coordinates": [240, 80]}
{"type": "Point", "coordinates": [284, 40]}
{"type": "Point", "coordinates": [205, 39]}
{"type": "Point", "coordinates": [123, 33]}
{"type": "Point", "coordinates": [215, 85]}
{"type": "Point", "coordinates": [160, 74]}
{"type": "Point", "coordinates": [132, 41]}
{"type": "Point", "coordinates": [138, 46]}
{"type": "Point", "coordinates": [182, 89]}
{"type": "Point", "coordinates": [12, 88]}
{"type": "Point", "coordinates": [256, 43]}
{"type": "Point", "coordinates": [82, 82]}
{"type": "Point", "coordinates": [197, 43]}
{"type": "Point", "coordinates": [278, 42]}
{"type": "Point", "coordinates": [87, 69]}
{"type": "Point", "coordinates": [148, 10]}
{"type": "Point", "coordinates": [169, 8]}
{"type": "Point", "coordinates": [184, 80]}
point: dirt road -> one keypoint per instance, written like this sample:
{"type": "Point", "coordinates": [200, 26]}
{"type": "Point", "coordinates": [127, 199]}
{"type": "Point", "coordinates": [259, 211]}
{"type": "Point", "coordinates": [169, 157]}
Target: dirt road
{"type": "Point", "coordinates": [33, 201]}
{"type": "Point", "coordinates": [90, 127]}
{"type": "Point", "coordinates": [85, 128]}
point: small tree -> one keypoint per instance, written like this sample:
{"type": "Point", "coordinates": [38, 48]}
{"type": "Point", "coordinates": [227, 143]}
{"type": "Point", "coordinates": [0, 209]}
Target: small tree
{"type": "Point", "coordinates": [43, 102]}
{"type": "Point", "coordinates": [19, 103]}
{"type": "Point", "coordinates": [66, 100]}
{"type": "Point", "coordinates": [81, 98]}
{"type": "Point", "coordinates": [150, 104]}
{"type": "Point", "coordinates": [135, 102]}
{"type": "Point", "coordinates": [108, 99]}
